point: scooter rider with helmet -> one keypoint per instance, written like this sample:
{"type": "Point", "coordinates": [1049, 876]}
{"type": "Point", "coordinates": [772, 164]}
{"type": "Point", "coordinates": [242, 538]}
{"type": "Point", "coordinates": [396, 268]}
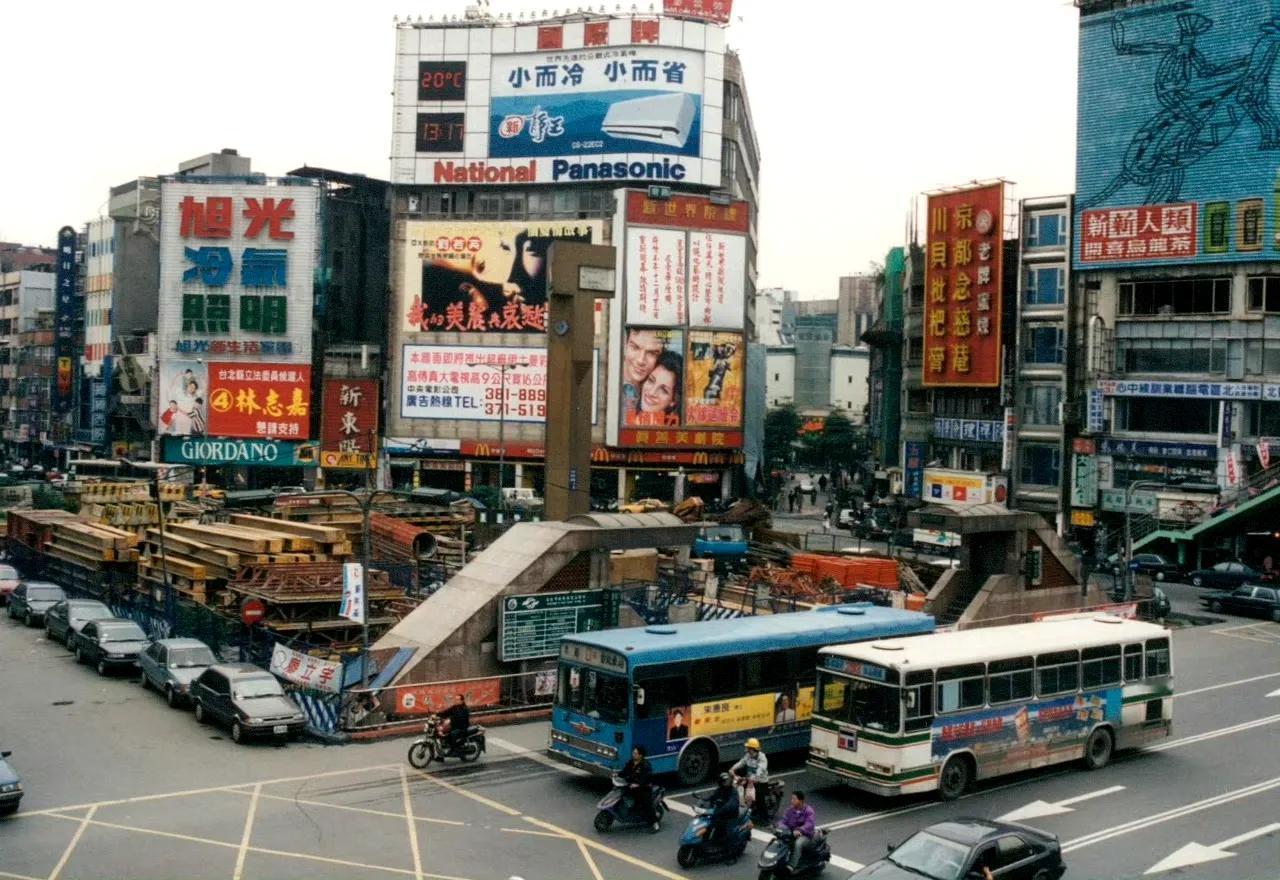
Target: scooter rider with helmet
{"type": "Point", "coordinates": [753, 767]}
{"type": "Point", "coordinates": [724, 801]}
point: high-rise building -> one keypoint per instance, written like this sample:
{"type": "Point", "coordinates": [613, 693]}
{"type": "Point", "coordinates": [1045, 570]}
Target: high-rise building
{"type": "Point", "coordinates": [26, 362]}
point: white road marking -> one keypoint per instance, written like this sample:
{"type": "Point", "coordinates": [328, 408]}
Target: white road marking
{"type": "Point", "coordinates": [413, 825]}
{"type": "Point", "coordinates": [1212, 734]}
{"type": "Point", "coordinates": [534, 755]}
{"type": "Point", "coordinates": [1036, 809]}
{"type": "Point", "coordinates": [248, 833]}
{"type": "Point", "coordinates": [1226, 684]}
{"type": "Point", "coordinates": [1195, 853]}
{"type": "Point", "coordinates": [1169, 815]}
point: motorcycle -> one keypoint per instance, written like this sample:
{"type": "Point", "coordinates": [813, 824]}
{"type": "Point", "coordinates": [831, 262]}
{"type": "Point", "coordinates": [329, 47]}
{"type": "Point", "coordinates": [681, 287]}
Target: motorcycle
{"type": "Point", "coordinates": [768, 799]}
{"type": "Point", "coordinates": [775, 861]}
{"type": "Point", "coordinates": [435, 744]}
{"type": "Point", "coordinates": [615, 808]}
{"type": "Point", "coordinates": [696, 844]}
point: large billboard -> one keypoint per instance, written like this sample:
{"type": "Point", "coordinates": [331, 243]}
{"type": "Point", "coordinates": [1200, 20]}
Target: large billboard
{"type": "Point", "coordinates": [963, 262]}
{"type": "Point", "coordinates": [482, 276]}
{"type": "Point", "coordinates": [620, 98]}
{"type": "Point", "coordinates": [237, 267]}
{"type": "Point", "coordinates": [713, 379]}
{"type": "Point", "coordinates": [1178, 134]}
{"type": "Point", "coordinates": [349, 422]}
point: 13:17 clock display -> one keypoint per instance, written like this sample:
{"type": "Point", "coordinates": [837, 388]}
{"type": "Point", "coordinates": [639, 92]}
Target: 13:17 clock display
{"type": "Point", "coordinates": [440, 132]}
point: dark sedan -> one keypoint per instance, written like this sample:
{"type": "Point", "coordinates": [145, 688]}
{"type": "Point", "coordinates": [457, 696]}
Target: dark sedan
{"type": "Point", "coordinates": [248, 699]}
{"type": "Point", "coordinates": [1156, 566]}
{"type": "Point", "coordinates": [1224, 576]}
{"type": "Point", "coordinates": [109, 644]}
{"type": "Point", "coordinates": [963, 848]}
{"type": "Point", "coordinates": [10, 786]}
{"type": "Point", "coordinates": [32, 599]}
{"type": "Point", "coordinates": [70, 615]}
{"type": "Point", "coordinates": [1249, 600]}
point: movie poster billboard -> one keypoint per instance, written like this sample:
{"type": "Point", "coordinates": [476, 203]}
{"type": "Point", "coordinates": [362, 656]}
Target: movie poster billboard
{"type": "Point", "coordinates": [653, 370]}
{"type": "Point", "coordinates": [713, 379]}
{"type": "Point", "coordinates": [482, 276]}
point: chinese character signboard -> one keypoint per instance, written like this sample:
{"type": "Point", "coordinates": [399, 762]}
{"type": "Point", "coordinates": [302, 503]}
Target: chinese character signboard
{"type": "Point", "coordinates": [306, 671]}
{"type": "Point", "coordinates": [913, 470]}
{"type": "Point", "coordinates": [64, 317]}
{"type": "Point", "coordinates": [259, 400]}
{"type": "Point", "coordinates": [706, 10]}
{"type": "Point", "coordinates": [1175, 130]}
{"type": "Point", "coordinates": [620, 100]}
{"type": "Point", "coordinates": [530, 627]}
{"type": "Point", "coordinates": [482, 277]}
{"type": "Point", "coordinates": [963, 288]}
{"type": "Point", "coordinates": [656, 264]}
{"type": "Point", "coordinates": [350, 416]}
{"type": "Point", "coordinates": [237, 267]}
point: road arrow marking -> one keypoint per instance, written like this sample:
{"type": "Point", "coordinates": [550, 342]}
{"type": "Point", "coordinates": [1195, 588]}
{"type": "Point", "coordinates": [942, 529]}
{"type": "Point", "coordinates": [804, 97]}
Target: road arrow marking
{"type": "Point", "coordinates": [1274, 693]}
{"type": "Point", "coordinates": [1036, 809]}
{"type": "Point", "coordinates": [1196, 854]}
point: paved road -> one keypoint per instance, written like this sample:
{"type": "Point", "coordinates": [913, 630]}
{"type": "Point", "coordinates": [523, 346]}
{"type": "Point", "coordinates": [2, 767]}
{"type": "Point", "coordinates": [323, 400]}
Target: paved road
{"type": "Point", "coordinates": [119, 785]}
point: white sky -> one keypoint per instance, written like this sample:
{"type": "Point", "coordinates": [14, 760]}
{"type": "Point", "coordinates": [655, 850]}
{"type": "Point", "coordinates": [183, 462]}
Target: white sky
{"type": "Point", "coordinates": [858, 105]}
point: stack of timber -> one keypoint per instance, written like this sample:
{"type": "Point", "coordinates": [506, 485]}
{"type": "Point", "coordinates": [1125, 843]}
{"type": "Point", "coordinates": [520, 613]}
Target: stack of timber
{"type": "Point", "coordinates": [126, 504]}
{"type": "Point", "coordinates": [90, 545]}
{"type": "Point", "coordinates": [307, 597]}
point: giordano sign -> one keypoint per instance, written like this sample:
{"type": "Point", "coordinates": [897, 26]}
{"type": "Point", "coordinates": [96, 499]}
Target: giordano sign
{"type": "Point", "coordinates": [216, 451]}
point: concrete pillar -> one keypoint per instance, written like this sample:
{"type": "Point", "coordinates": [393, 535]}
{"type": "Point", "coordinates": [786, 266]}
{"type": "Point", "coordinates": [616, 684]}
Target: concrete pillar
{"type": "Point", "coordinates": [519, 476]}
{"type": "Point", "coordinates": [679, 490]}
{"type": "Point", "coordinates": [726, 485]}
{"type": "Point", "coordinates": [622, 485]}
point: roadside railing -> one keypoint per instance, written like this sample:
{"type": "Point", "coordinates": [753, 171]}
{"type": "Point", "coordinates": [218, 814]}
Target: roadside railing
{"type": "Point", "coordinates": [493, 697]}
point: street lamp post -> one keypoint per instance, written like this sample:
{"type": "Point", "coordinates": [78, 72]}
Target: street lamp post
{"type": "Point", "coordinates": [1128, 529]}
{"type": "Point", "coordinates": [502, 424]}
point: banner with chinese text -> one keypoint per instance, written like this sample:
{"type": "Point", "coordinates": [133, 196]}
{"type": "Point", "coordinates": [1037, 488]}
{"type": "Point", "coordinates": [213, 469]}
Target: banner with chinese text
{"type": "Point", "coordinates": [306, 671]}
{"type": "Point", "coordinates": [963, 259]}
{"type": "Point", "coordinates": [260, 400]}
{"type": "Point", "coordinates": [349, 419]}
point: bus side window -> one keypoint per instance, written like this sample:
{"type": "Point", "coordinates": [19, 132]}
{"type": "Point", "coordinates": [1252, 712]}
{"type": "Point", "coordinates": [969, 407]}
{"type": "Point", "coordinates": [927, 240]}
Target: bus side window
{"type": "Point", "coordinates": [765, 672]}
{"type": "Point", "coordinates": [1058, 673]}
{"type": "Point", "coordinates": [1132, 662]}
{"type": "Point", "coordinates": [961, 687]}
{"type": "Point", "coordinates": [714, 678]}
{"type": "Point", "coordinates": [919, 698]}
{"type": "Point", "coordinates": [801, 665]}
{"type": "Point", "coordinates": [1010, 680]}
{"type": "Point", "coordinates": [661, 694]}
{"type": "Point", "coordinates": [1100, 666]}
{"type": "Point", "coordinates": [1157, 657]}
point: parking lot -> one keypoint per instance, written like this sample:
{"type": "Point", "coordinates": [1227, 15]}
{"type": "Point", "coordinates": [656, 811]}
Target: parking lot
{"type": "Point", "coordinates": [119, 785]}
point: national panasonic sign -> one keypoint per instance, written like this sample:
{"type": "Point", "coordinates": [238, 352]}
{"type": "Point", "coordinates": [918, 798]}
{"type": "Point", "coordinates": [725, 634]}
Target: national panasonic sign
{"type": "Point", "coordinates": [495, 171]}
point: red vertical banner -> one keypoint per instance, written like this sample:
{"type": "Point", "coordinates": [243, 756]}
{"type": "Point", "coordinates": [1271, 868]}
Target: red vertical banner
{"type": "Point", "coordinates": [350, 415]}
{"type": "Point", "coordinates": [963, 281]}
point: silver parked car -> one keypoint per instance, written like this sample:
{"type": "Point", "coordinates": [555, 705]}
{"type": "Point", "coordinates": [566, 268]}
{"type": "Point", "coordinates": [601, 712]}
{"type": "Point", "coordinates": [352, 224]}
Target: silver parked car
{"type": "Point", "coordinates": [69, 616]}
{"type": "Point", "coordinates": [170, 665]}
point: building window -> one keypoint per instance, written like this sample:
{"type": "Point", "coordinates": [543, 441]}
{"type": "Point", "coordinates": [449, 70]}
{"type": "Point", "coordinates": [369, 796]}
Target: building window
{"type": "Point", "coordinates": [1044, 286]}
{"type": "Point", "coordinates": [1044, 345]}
{"type": "Point", "coordinates": [1176, 296]}
{"type": "Point", "coordinates": [1045, 230]}
{"type": "Point", "coordinates": [1172, 355]}
{"type": "Point", "coordinates": [1262, 419]}
{"type": "Point", "coordinates": [1040, 405]}
{"type": "Point", "coordinates": [1161, 415]}
{"type": "Point", "coordinates": [1041, 464]}
{"type": "Point", "coordinates": [1250, 221]}
{"type": "Point", "coordinates": [1264, 294]}
{"type": "Point", "coordinates": [917, 400]}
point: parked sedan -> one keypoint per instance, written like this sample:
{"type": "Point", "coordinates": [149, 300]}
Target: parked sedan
{"type": "Point", "coordinates": [1250, 600]}
{"type": "Point", "coordinates": [1156, 566]}
{"type": "Point", "coordinates": [32, 599]}
{"type": "Point", "coordinates": [10, 786]}
{"type": "Point", "coordinates": [9, 580]}
{"type": "Point", "coordinates": [70, 615]}
{"type": "Point", "coordinates": [170, 665]}
{"type": "Point", "coordinates": [1224, 575]}
{"type": "Point", "coordinates": [109, 644]}
{"type": "Point", "coordinates": [963, 848]}
{"type": "Point", "coordinates": [248, 699]}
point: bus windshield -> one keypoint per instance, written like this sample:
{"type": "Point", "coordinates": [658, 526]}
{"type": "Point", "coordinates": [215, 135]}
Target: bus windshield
{"type": "Point", "coordinates": [853, 701]}
{"type": "Point", "coordinates": [596, 694]}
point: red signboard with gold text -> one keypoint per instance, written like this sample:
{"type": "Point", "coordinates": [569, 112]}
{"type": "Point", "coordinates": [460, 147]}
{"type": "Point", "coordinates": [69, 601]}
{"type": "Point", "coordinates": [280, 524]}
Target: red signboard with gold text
{"type": "Point", "coordinates": [260, 400]}
{"type": "Point", "coordinates": [962, 288]}
{"type": "Point", "coordinates": [350, 415]}
{"type": "Point", "coordinates": [687, 212]}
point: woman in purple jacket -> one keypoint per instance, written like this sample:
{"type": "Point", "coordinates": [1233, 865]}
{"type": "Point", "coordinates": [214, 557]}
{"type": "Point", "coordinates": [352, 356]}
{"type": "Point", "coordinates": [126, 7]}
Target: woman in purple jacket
{"type": "Point", "coordinates": [799, 820]}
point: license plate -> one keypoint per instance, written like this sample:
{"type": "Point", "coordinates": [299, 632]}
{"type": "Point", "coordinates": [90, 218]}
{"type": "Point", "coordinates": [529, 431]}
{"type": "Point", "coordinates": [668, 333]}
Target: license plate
{"type": "Point", "coordinates": [280, 728]}
{"type": "Point", "coordinates": [848, 741]}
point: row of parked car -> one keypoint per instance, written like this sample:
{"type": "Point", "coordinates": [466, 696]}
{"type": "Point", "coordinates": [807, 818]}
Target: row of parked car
{"type": "Point", "coordinates": [243, 697]}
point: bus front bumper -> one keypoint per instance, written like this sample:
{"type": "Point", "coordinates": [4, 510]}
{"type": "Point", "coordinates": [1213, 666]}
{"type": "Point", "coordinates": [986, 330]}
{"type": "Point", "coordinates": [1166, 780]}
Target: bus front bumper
{"type": "Point", "coordinates": [570, 760]}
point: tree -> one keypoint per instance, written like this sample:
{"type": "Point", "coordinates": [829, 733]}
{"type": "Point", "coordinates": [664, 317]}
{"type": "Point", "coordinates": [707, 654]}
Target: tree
{"type": "Point", "coordinates": [781, 427]}
{"type": "Point", "coordinates": [842, 442]}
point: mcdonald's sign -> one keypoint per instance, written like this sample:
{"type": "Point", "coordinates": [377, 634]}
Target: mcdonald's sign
{"type": "Point", "coordinates": [701, 458]}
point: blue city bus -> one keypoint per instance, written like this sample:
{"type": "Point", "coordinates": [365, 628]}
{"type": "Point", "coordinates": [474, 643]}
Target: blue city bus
{"type": "Point", "coordinates": [692, 693]}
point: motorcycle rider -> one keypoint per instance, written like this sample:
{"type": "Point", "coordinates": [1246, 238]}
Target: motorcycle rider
{"type": "Point", "coordinates": [459, 717]}
{"type": "Point", "coordinates": [637, 774]}
{"type": "Point", "coordinates": [799, 820]}
{"type": "Point", "coordinates": [753, 767]}
{"type": "Point", "coordinates": [724, 801]}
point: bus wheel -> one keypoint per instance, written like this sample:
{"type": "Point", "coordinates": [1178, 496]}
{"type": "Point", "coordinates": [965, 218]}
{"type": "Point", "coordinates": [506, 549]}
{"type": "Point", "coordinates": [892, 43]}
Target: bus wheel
{"type": "Point", "coordinates": [955, 777]}
{"type": "Point", "coordinates": [696, 764]}
{"type": "Point", "coordinates": [1097, 748]}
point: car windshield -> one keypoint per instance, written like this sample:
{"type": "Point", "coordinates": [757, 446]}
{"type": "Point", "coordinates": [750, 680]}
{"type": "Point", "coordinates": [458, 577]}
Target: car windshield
{"type": "Point", "coordinates": [931, 855]}
{"type": "Point", "coordinates": [54, 593]}
{"type": "Point", "coordinates": [255, 688]}
{"type": "Point", "coordinates": [594, 693]}
{"type": "Point", "coordinates": [123, 632]}
{"type": "Point", "coordinates": [190, 658]}
{"type": "Point", "coordinates": [8, 573]}
{"type": "Point", "coordinates": [88, 611]}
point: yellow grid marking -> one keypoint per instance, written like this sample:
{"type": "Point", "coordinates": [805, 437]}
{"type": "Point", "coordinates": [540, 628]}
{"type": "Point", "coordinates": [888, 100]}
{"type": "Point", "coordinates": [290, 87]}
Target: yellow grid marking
{"type": "Point", "coordinates": [413, 826]}
{"type": "Point", "coordinates": [238, 873]}
{"type": "Point", "coordinates": [75, 841]}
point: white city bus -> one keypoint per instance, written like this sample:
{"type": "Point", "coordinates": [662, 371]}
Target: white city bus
{"type": "Point", "coordinates": [938, 711]}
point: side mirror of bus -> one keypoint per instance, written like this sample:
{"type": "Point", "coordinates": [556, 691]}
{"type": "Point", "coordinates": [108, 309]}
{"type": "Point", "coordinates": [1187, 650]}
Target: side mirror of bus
{"type": "Point", "coordinates": [639, 692]}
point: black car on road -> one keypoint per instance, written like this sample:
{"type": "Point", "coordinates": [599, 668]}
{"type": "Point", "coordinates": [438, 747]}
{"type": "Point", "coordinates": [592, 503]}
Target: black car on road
{"type": "Point", "coordinates": [32, 599]}
{"type": "Point", "coordinates": [1249, 600]}
{"type": "Point", "coordinates": [248, 699]}
{"type": "Point", "coordinates": [1156, 566]}
{"type": "Point", "coordinates": [1224, 576]}
{"type": "Point", "coordinates": [960, 849]}
{"type": "Point", "coordinates": [113, 643]}
{"type": "Point", "coordinates": [69, 615]}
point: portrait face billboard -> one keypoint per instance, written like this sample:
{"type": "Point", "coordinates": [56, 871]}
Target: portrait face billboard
{"type": "Point", "coordinates": [1178, 134]}
{"type": "Point", "coordinates": [482, 277]}
{"type": "Point", "coordinates": [653, 368]}
{"type": "Point", "coordinates": [713, 380]}
{"type": "Point", "coordinates": [183, 398]}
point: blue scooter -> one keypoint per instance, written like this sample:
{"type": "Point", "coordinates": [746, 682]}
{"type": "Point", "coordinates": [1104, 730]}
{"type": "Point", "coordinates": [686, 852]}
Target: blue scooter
{"type": "Point", "coordinates": [695, 845]}
{"type": "Point", "coordinates": [617, 810]}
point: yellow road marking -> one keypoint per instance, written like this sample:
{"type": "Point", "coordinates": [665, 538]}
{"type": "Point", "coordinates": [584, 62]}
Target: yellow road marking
{"type": "Point", "coordinates": [413, 827]}
{"type": "Point", "coordinates": [533, 833]}
{"type": "Point", "coordinates": [238, 873]}
{"type": "Point", "coordinates": [75, 841]}
{"type": "Point", "coordinates": [596, 845]}
{"type": "Point", "coordinates": [367, 810]}
{"type": "Point", "coordinates": [478, 798]}
{"type": "Point", "coordinates": [591, 863]}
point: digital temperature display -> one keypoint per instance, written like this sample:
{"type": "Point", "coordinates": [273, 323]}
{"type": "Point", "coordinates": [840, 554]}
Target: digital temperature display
{"type": "Point", "coordinates": [440, 132]}
{"type": "Point", "coordinates": [442, 80]}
